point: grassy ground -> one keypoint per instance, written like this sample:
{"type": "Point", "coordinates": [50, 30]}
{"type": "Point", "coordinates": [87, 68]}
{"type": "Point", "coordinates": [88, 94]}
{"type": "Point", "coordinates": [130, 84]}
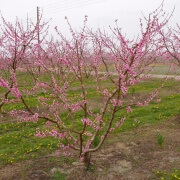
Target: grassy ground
{"type": "Point", "coordinates": [157, 68]}
{"type": "Point", "coordinates": [151, 152]}
{"type": "Point", "coordinates": [17, 140]}
{"type": "Point", "coordinates": [162, 69]}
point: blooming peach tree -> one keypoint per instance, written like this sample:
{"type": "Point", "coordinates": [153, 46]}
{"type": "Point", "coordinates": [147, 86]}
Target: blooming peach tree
{"type": "Point", "coordinates": [171, 43]}
{"type": "Point", "coordinates": [16, 44]}
{"type": "Point", "coordinates": [89, 59]}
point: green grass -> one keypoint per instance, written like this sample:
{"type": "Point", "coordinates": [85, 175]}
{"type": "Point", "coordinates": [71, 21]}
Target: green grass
{"type": "Point", "coordinates": [58, 176]}
{"type": "Point", "coordinates": [160, 140]}
{"type": "Point", "coordinates": [18, 143]}
{"type": "Point", "coordinates": [157, 68]}
{"type": "Point", "coordinates": [17, 140]}
{"type": "Point", "coordinates": [153, 113]}
{"type": "Point", "coordinates": [164, 175]}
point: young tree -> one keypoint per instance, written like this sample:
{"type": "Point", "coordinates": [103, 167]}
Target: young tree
{"type": "Point", "coordinates": [76, 120]}
{"type": "Point", "coordinates": [16, 45]}
{"type": "Point", "coordinates": [171, 43]}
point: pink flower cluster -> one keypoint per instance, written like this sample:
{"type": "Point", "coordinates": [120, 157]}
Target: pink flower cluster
{"type": "Point", "coordinates": [3, 83]}
{"type": "Point", "coordinates": [87, 121]}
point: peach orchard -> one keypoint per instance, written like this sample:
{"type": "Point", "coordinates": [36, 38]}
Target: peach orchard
{"type": "Point", "coordinates": [55, 63]}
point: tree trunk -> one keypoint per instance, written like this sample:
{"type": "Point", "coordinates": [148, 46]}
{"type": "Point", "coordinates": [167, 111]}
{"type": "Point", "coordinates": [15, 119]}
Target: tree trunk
{"type": "Point", "coordinates": [86, 160]}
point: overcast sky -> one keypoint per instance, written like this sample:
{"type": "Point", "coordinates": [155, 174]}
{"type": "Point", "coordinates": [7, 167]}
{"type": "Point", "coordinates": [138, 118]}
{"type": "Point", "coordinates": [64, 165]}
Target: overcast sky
{"type": "Point", "coordinates": [100, 12]}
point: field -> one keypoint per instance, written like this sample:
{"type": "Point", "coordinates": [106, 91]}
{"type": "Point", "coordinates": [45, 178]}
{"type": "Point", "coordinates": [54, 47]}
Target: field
{"type": "Point", "coordinates": [90, 104]}
{"type": "Point", "coordinates": [158, 69]}
{"type": "Point", "coordinates": [144, 138]}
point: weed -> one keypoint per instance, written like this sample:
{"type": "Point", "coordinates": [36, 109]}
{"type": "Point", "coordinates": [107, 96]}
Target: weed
{"type": "Point", "coordinates": [173, 175]}
{"type": "Point", "coordinates": [160, 139]}
{"type": "Point", "coordinates": [58, 175]}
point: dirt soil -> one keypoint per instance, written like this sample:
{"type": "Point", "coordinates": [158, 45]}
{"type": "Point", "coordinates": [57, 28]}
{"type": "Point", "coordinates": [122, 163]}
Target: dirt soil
{"type": "Point", "coordinates": [132, 155]}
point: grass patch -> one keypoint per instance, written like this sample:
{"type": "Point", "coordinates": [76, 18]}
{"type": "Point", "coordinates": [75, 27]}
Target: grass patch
{"type": "Point", "coordinates": [18, 143]}
{"type": "Point", "coordinates": [58, 176]}
{"type": "Point", "coordinates": [17, 140]}
{"type": "Point", "coordinates": [173, 175]}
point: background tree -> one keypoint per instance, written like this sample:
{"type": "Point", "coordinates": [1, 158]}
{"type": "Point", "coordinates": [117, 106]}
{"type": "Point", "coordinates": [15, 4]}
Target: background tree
{"type": "Point", "coordinates": [16, 44]}
{"type": "Point", "coordinates": [171, 43]}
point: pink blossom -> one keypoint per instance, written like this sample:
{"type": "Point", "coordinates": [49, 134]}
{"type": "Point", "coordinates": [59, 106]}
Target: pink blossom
{"type": "Point", "coordinates": [88, 133]}
{"type": "Point", "coordinates": [129, 109]}
{"type": "Point", "coordinates": [87, 121]}
{"type": "Point", "coordinates": [57, 152]}
{"type": "Point", "coordinates": [62, 135]}
{"type": "Point", "coordinates": [124, 89]}
{"type": "Point", "coordinates": [15, 91]}
{"type": "Point", "coordinates": [157, 100]}
{"type": "Point", "coordinates": [106, 93]}
{"type": "Point", "coordinates": [3, 83]}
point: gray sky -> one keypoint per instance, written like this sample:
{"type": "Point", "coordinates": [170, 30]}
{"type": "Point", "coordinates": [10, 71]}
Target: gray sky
{"type": "Point", "coordinates": [99, 13]}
